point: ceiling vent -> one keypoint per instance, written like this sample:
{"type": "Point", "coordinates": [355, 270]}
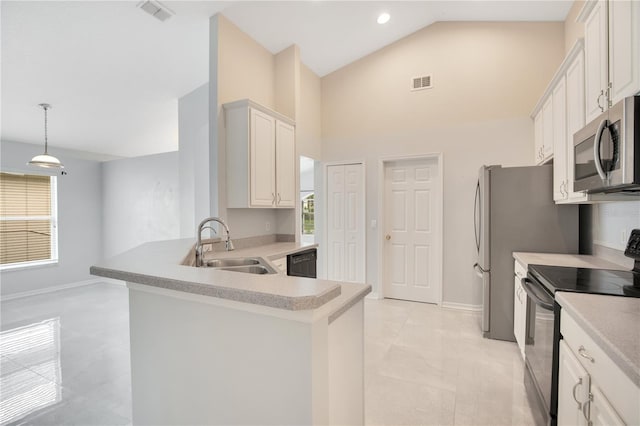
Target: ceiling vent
{"type": "Point", "coordinates": [156, 9]}
{"type": "Point", "coordinates": [421, 83]}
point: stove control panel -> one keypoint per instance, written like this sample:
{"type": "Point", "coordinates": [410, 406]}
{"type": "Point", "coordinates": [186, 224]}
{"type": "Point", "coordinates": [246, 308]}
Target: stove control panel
{"type": "Point", "coordinates": [633, 246]}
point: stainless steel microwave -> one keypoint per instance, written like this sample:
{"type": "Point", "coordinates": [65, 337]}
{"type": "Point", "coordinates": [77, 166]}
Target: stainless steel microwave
{"type": "Point", "coordinates": [607, 150]}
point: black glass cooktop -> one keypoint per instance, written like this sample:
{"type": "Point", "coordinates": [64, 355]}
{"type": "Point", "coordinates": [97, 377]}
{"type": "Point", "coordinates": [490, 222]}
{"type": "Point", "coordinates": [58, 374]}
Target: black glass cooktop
{"type": "Point", "coordinates": [598, 281]}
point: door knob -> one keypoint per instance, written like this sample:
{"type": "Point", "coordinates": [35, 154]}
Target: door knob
{"type": "Point", "coordinates": [388, 237]}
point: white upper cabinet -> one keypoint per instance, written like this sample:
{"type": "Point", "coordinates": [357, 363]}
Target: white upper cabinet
{"type": "Point", "coordinates": [595, 42]}
{"type": "Point", "coordinates": [262, 150]}
{"type": "Point", "coordinates": [624, 49]}
{"type": "Point", "coordinates": [285, 165]}
{"type": "Point", "coordinates": [612, 53]}
{"type": "Point", "coordinates": [559, 109]}
{"type": "Point", "coordinates": [575, 117]}
{"type": "Point", "coordinates": [261, 153]}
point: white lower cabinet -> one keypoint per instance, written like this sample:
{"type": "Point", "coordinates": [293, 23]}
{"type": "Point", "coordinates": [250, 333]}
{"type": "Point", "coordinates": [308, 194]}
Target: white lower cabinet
{"type": "Point", "coordinates": [592, 389]}
{"type": "Point", "coordinates": [573, 388]}
{"type": "Point", "coordinates": [281, 264]}
{"type": "Point", "coordinates": [519, 307]}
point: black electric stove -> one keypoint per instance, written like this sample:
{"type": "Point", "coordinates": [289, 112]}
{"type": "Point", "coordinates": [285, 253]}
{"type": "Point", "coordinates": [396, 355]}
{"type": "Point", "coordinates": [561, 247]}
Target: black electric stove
{"type": "Point", "coordinates": [584, 280]}
{"type": "Point", "coordinates": [543, 336]}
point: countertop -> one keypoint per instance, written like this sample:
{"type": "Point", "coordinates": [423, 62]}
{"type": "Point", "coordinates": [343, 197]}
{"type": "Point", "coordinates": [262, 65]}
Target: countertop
{"type": "Point", "coordinates": [159, 264]}
{"type": "Point", "coordinates": [569, 260]}
{"type": "Point", "coordinates": [617, 334]}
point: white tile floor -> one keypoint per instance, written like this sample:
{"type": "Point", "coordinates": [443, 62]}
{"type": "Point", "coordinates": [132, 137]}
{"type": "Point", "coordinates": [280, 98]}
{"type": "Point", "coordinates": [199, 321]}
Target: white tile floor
{"type": "Point", "coordinates": [65, 360]}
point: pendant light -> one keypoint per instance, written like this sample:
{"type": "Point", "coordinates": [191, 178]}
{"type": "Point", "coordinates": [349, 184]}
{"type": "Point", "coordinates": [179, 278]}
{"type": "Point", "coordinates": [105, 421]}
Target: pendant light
{"type": "Point", "coordinates": [45, 160]}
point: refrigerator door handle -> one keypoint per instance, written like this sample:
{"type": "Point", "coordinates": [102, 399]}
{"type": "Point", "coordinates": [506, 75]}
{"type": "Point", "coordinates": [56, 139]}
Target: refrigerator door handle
{"type": "Point", "coordinates": [477, 211]}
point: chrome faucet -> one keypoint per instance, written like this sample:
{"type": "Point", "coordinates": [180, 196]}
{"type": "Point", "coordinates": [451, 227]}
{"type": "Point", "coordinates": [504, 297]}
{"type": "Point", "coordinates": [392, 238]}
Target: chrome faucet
{"type": "Point", "coordinates": [203, 225]}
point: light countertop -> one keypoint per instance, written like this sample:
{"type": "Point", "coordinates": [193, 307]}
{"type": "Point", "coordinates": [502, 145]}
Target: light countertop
{"type": "Point", "coordinates": [613, 322]}
{"type": "Point", "coordinates": [569, 260]}
{"type": "Point", "coordinates": [159, 264]}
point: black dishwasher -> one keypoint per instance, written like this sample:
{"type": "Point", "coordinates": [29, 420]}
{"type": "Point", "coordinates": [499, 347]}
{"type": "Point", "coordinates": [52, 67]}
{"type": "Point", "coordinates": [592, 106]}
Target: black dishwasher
{"type": "Point", "coordinates": [302, 263]}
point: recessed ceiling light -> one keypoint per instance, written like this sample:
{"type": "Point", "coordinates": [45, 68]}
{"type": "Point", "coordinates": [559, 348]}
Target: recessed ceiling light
{"type": "Point", "coordinates": [384, 18]}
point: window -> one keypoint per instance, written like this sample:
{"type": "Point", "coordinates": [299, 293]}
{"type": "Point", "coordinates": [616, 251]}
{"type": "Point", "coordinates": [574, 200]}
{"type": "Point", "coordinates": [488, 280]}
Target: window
{"type": "Point", "coordinates": [28, 222]}
{"type": "Point", "coordinates": [308, 212]}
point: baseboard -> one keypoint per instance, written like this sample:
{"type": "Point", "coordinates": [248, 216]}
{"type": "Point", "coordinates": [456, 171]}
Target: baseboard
{"type": "Point", "coordinates": [372, 295]}
{"type": "Point", "coordinates": [60, 287]}
{"type": "Point", "coordinates": [462, 306]}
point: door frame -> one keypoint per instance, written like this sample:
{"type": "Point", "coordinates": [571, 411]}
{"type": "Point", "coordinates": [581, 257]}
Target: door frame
{"type": "Point", "coordinates": [325, 210]}
{"type": "Point", "coordinates": [382, 163]}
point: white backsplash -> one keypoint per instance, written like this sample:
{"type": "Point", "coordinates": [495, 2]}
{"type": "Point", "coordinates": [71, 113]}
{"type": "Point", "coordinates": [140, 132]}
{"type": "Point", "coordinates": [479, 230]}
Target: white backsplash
{"type": "Point", "coordinates": [613, 222]}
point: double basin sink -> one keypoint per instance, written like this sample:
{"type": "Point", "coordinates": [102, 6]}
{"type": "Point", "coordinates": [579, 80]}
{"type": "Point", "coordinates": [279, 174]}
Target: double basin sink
{"type": "Point", "coordinates": [249, 265]}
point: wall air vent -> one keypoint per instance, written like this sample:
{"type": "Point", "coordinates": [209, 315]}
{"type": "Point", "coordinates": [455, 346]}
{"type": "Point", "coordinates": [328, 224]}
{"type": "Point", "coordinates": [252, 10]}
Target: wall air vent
{"type": "Point", "coordinates": [421, 83]}
{"type": "Point", "coordinates": [156, 9]}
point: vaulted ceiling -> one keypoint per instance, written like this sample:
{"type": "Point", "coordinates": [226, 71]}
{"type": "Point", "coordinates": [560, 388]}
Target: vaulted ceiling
{"type": "Point", "coordinates": [114, 74]}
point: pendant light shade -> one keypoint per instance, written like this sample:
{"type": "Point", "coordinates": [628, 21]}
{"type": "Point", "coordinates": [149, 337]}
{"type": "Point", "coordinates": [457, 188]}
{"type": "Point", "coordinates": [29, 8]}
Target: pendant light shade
{"type": "Point", "coordinates": [45, 160]}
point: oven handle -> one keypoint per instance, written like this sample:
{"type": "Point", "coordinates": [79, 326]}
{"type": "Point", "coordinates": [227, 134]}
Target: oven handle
{"type": "Point", "coordinates": [529, 287]}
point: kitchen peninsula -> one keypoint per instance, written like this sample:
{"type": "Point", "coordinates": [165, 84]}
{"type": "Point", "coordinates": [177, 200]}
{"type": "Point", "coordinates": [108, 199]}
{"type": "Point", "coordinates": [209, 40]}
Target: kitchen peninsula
{"type": "Point", "coordinates": [222, 347]}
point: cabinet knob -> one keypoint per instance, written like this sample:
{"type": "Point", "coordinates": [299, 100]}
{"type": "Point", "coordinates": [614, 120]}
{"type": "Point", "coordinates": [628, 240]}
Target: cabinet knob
{"type": "Point", "coordinates": [387, 237]}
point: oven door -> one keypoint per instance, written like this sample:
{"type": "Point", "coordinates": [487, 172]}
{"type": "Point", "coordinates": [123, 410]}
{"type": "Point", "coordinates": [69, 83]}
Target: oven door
{"type": "Point", "coordinates": [539, 345]}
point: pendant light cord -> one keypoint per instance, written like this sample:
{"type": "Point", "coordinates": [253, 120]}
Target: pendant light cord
{"type": "Point", "coordinates": [45, 130]}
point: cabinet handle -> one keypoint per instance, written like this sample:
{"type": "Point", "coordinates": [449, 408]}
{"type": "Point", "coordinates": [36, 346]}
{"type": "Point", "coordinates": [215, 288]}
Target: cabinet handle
{"type": "Point", "coordinates": [575, 387]}
{"type": "Point", "coordinates": [273, 195]}
{"type": "Point", "coordinates": [608, 96]}
{"type": "Point", "coordinates": [598, 100]}
{"type": "Point", "coordinates": [279, 198]}
{"type": "Point", "coordinates": [585, 406]}
{"type": "Point", "coordinates": [583, 353]}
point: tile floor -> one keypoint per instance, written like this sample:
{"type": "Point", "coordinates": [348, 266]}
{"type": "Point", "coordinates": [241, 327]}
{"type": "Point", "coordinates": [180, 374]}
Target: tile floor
{"type": "Point", "coordinates": [65, 360]}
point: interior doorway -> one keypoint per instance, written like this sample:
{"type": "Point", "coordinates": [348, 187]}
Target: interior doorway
{"type": "Point", "coordinates": [411, 235]}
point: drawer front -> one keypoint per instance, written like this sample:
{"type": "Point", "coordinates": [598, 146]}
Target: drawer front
{"type": "Point", "coordinates": [619, 389]}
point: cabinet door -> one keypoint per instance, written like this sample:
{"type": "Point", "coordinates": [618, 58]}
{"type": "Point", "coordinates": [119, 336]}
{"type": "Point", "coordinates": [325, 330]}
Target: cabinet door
{"type": "Point", "coordinates": [624, 48]}
{"type": "Point", "coordinates": [559, 109]}
{"type": "Point", "coordinates": [547, 128]}
{"type": "Point", "coordinates": [573, 388]}
{"type": "Point", "coordinates": [262, 151]}
{"type": "Point", "coordinates": [537, 135]}
{"type": "Point", "coordinates": [575, 115]}
{"type": "Point", "coordinates": [602, 412]}
{"type": "Point", "coordinates": [285, 165]}
{"type": "Point", "coordinates": [595, 46]}
{"type": "Point", "coordinates": [518, 314]}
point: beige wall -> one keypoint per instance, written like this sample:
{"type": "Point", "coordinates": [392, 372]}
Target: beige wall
{"type": "Point", "coordinates": [487, 77]}
{"type": "Point", "coordinates": [245, 68]}
{"type": "Point", "coordinates": [287, 81]}
{"type": "Point", "coordinates": [309, 119]}
{"type": "Point", "coordinates": [573, 30]}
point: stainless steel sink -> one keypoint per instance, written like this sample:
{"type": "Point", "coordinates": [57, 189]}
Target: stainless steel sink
{"type": "Point", "coordinates": [221, 263]}
{"type": "Point", "coordinates": [248, 265]}
{"type": "Point", "coordinates": [253, 269]}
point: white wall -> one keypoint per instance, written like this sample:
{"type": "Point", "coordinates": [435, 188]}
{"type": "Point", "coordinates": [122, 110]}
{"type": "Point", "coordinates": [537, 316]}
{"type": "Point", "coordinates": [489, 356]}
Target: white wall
{"type": "Point", "coordinates": [79, 219]}
{"type": "Point", "coordinates": [613, 222]}
{"type": "Point", "coordinates": [193, 141]}
{"type": "Point", "coordinates": [141, 201]}
{"type": "Point", "coordinates": [486, 79]}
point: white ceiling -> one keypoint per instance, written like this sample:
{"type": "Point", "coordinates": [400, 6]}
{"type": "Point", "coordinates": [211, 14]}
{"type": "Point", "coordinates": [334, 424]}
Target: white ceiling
{"type": "Point", "coordinates": [114, 74]}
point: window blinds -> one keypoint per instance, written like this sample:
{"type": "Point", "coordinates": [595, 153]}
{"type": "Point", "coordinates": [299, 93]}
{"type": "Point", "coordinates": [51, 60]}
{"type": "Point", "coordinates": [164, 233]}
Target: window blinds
{"type": "Point", "coordinates": [26, 220]}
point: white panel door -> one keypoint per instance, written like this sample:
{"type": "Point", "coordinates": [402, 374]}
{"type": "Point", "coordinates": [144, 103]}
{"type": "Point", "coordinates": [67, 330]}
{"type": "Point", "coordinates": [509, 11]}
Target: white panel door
{"type": "Point", "coordinates": [345, 223]}
{"type": "Point", "coordinates": [262, 148]}
{"type": "Point", "coordinates": [285, 165]}
{"type": "Point", "coordinates": [412, 226]}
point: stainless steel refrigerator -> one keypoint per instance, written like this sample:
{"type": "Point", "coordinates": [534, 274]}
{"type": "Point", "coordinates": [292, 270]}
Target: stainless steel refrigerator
{"type": "Point", "coordinates": [515, 211]}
